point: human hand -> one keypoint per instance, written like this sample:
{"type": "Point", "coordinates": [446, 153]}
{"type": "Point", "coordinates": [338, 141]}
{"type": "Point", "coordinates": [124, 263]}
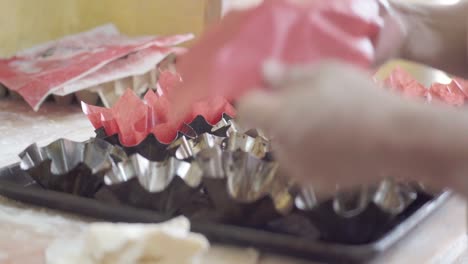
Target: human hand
{"type": "Point", "coordinates": [329, 123]}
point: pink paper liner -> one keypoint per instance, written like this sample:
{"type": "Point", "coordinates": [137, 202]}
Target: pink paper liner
{"type": "Point", "coordinates": [133, 119]}
{"type": "Point", "coordinates": [454, 93]}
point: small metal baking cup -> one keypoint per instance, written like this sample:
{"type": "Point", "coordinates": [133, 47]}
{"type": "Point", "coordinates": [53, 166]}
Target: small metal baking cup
{"type": "Point", "coordinates": [163, 186]}
{"type": "Point", "coordinates": [150, 148]}
{"type": "Point", "coordinates": [256, 146]}
{"type": "Point", "coordinates": [389, 196]}
{"type": "Point", "coordinates": [361, 214]}
{"type": "Point", "coordinates": [69, 166]}
{"type": "Point", "coordinates": [394, 197]}
{"type": "Point", "coordinates": [200, 125]}
{"type": "Point", "coordinates": [243, 185]}
{"type": "Point", "coordinates": [244, 188]}
{"type": "Point", "coordinates": [232, 176]}
{"type": "Point", "coordinates": [188, 149]}
{"type": "Point", "coordinates": [306, 199]}
{"type": "Point", "coordinates": [155, 150]}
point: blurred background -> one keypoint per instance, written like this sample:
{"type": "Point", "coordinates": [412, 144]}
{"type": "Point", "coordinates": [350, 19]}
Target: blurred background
{"type": "Point", "coordinates": [24, 23]}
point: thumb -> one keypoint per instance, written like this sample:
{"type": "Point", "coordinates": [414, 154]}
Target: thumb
{"type": "Point", "coordinates": [259, 109]}
{"type": "Point", "coordinates": [279, 76]}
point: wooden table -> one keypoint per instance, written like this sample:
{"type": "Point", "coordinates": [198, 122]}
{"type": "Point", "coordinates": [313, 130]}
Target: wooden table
{"type": "Point", "coordinates": [25, 231]}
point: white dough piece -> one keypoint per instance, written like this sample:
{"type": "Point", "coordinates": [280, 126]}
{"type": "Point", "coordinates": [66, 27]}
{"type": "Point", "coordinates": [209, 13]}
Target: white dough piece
{"type": "Point", "coordinates": [107, 243]}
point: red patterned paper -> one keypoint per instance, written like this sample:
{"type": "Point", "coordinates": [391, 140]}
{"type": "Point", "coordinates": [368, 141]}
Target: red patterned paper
{"type": "Point", "coordinates": [134, 64]}
{"type": "Point", "coordinates": [37, 72]}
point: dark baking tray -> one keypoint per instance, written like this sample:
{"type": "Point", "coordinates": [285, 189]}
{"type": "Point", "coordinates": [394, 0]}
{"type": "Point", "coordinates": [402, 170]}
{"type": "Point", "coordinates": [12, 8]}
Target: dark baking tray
{"type": "Point", "coordinates": [17, 185]}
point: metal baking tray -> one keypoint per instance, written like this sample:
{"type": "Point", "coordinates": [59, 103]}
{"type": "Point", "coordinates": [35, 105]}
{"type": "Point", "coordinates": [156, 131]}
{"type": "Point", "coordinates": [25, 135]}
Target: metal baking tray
{"type": "Point", "coordinates": [17, 185]}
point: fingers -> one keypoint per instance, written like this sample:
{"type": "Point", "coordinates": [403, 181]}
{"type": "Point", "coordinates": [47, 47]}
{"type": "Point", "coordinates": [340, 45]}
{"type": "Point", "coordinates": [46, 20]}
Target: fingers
{"type": "Point", "coordinates": [259, 109]}
{"type": "Point", "coordinates": [274, 74]}
{"type": "Point", "coordinates": [279, 76]}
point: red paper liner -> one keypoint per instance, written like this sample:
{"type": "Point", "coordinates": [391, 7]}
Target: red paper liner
{"type": "Point", "coordinates": [133, 119]}
{"type": "Point", "coordinates": [229, 58]}
{"type": "Point", "coordinates": [454, 93]}
{"type": "Point", "coordinates": [448, 93]}
{"type": "Point", "coordinates": [155, 150]}
{"type": "Point", "coordinates": [402, 82]}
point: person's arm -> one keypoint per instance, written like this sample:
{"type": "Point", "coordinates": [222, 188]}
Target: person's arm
{"type": "Point", "coordinates": [436, 35]}
{"type": "Point", "coordinates": [429, 144]}
{"type": "Point", "coordinates": [345, 130]}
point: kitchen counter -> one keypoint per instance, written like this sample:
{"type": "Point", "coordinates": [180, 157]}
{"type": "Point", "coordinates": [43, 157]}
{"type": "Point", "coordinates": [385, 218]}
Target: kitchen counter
{"type": "Point", "coordinates": [26, 231]}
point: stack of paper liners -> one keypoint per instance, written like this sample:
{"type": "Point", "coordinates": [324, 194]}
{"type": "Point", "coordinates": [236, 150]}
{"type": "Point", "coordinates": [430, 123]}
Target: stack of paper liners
{"type": "Point", "coordinates": [98, 64]}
